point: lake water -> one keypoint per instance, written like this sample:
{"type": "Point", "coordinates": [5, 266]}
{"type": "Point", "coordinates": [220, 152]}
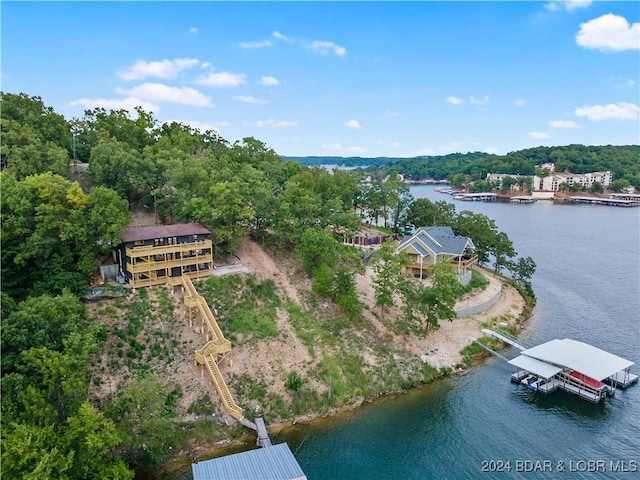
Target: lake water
{"type": "Point", "coordinates": [588, 288]}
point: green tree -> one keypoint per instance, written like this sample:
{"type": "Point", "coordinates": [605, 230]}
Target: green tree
{"type": "Point", "coordinates": [502, 250]}
{"type": "Point", "coordinates": [43, 321]}
{"type": "Point", "coordinates": [142, 421]}
{"type": "Point", "coordinates": [51, 228]}
{"type": "Point", "coordinates": [619, 185]}
{"type": "Point", "coordinates": [481, 229]}
{"type": "Point", "coordinates": [34, 452]}
{"type": "Point", "coordinates": [522, 271]}
{"type": "Point", "coordinates": [422, 212]}
{"type": "Point", "coordinates": [115, 165]}
{"type": "Point", "coordinates": [387, 265]}
{"type": "Point", "coordinates": [596, 187]}
{"type": "Point", "coordinates": [93, 439]}
{"type": "Point", "coordinates": [458, 180]}
{"type": "Point", "coordinates": [35, 139]}
{"type": "Point", "coordinates": [315, 248]}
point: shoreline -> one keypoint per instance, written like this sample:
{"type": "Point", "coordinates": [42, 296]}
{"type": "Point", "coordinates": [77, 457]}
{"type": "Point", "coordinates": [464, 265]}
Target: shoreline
{"type": "Point", "coordinates": [453, 362]}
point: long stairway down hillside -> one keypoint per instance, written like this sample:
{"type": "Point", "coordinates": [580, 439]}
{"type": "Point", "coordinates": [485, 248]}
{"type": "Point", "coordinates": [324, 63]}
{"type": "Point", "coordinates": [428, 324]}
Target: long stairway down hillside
{"type": "Point", "coordinates": [211, 354]}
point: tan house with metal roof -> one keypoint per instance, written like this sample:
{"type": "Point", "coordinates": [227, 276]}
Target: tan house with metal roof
{"type": "Point", "coordinates": [430, 245]}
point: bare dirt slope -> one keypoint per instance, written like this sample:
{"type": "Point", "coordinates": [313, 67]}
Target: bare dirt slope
{"type": "Point", "coordinates": [444, 344]}
{"type": "Point", "coordinates": [269, 361]}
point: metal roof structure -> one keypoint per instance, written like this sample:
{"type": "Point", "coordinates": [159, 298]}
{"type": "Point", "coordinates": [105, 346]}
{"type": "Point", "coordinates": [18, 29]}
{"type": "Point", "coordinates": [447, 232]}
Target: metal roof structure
{"type": "Point", "coordinates": [578, 356]}
{"type": "Point", "coordinates": [273, 463]}
{"type": "Point", "coordinates": [532, 365]}
{"type": "Point", "coordinates": [439, 240]}
{"type": "Point", "coordinates": [135, 234]}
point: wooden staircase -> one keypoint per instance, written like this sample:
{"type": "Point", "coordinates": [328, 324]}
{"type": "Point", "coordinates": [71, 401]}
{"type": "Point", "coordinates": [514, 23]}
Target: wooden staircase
{"type": "Point", "coordinates": [212, 353]}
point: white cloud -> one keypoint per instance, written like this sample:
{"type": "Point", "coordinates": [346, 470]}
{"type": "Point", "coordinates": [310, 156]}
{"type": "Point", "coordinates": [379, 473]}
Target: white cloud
{"type": "Point", "coordinates": [569, 5]}
{"type": "Point", "coordinates": [609, 33]}
{"type": "Point", "coordinates": [250, 99]}
{"type": "Point", "coordinates": [161, 69]}
{"type": "Point", "coordinates": [279, 36]}
{"type": "Point", "coordinates": [275, 123]}
{"type": "Point", "coordinates": [395, 144]}
{"type": "Point", "coordinates": [451, 148]}
{"type": "Point", "coordinates": [222, 79]}
{"type": "Point", "coordinates": [454, 100]}
{"type": "Point", "coordinates": [389, 114]}
{"type": "Point", "coordinates": [615, 111]}
{"type": "Point", "coordinates": [492, 150]}
{"type": "Point", "coordinates": [356, 150]}
{"type": "Point", "coordinates": [353, 124]}
{"type": "Point", "coordinates": [538, 135]}
{"type": "Point", "coordinates": [164, 93]}
{"type": "Point", "coordinates": [193, 31]}
{"type": "Point", "coordinates": [332, 146]}
{"type": "Point", "coordinates": [479, 101]}
{"type": "Point", "coordinates": [520, 102]}
{"type": "Point", "coordinates": [337, 147]}
{"type": "Point", "coordinates": [269, 80]}
{"type": "Point", "coordinates": [206, 65]}
{"type": "Point", "coordinates": [203, 127]}
{"type": "Point", "coordinates": [324, 47]}
{"type": "Point", "coordinates": [264, 43]}
{"type": "Point", "coordinates": [563, 124]}
{"type": "Point", "coordinates": [128, 103]}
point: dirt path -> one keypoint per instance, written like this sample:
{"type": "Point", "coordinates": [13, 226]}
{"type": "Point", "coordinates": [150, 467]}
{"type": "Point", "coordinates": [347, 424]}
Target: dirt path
{"type": "Point", "coordinates": [264, 267]}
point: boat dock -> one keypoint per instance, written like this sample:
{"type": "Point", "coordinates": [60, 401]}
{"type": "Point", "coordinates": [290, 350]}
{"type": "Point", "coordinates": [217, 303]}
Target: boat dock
{"type": "Point", "coordinates": [575, 367]}
{"type": "Point", "coordinates": [523, 199]}
{"type": "Point", "coordinates": [611, 201]}
{"type": "Point", "coordinates": [476, 197]}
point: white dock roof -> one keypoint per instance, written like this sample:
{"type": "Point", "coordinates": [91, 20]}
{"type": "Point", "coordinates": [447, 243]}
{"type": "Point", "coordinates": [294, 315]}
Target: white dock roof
{"type": "Point", "coordinates": [530, 364]}
{"type": "Point", "coordinates": [578, 356]}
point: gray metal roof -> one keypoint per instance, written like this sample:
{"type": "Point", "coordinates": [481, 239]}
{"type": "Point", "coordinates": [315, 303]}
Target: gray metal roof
{"type": "Point", "coordinates": [420, 249]}
{"type": "Point", "coordinates": [440, 240]}
{"type": "Point", "coordinates": [134, 234]}
{"type": "Point", "coordinates": [538, 367]}
{"type": "Point", "coordinates": [578, 356]}
{"type": "Point", "coordinates": [271, 463]}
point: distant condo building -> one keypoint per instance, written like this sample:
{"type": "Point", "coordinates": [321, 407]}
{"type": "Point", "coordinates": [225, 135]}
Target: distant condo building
{"type": "Point", "coordinates": [552, 182]}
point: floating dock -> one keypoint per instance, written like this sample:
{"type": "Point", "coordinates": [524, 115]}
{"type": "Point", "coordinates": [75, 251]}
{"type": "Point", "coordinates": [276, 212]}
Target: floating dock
{"type": "Point", "coordinates": [612, 202]}
{"type": "Point", "coordinates": [476, 197]}
{"type": "Point", "coordinates": [575, 367]}
{"type": "Point", "coordinates": [524, 199]}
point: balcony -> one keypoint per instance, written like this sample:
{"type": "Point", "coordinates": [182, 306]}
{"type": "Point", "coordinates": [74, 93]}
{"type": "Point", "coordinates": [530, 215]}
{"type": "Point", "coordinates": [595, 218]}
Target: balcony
{"type": "Point", "coordinates": [148, 250]}
{"type": "Point", "coordinates": [142, 265]}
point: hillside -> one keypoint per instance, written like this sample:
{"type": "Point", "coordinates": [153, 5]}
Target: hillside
{"type": "Point", "coordinates": [277, 327]}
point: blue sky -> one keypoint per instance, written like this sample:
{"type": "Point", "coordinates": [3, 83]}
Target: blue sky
{"type": "Point", "coordinates": [395, 79]}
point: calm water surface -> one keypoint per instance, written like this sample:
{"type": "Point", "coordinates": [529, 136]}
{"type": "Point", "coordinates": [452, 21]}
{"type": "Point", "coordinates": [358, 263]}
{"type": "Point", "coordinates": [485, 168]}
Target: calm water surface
{"type": "Point", "coordinates": [588, 288]}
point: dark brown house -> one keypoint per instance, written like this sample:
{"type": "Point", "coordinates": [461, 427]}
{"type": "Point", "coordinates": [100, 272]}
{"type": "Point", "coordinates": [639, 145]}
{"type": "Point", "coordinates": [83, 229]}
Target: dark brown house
{"type": "Point", "coordinates": [162, 254]}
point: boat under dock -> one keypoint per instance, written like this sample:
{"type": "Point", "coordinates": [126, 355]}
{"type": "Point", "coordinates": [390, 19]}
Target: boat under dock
{"type": "Point", "coordinates": [575, 367]}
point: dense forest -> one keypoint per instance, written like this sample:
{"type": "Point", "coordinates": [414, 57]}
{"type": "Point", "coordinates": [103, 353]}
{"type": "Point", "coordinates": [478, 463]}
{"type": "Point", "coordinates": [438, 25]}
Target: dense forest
{"type": "Point", "coordinates": [68, 190]}
{"type": "Point", "coordinates": [622, 161]}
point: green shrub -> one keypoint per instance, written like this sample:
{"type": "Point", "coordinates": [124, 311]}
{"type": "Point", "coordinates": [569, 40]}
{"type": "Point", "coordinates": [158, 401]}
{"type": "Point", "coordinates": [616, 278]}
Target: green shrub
{"type": "Point", "coordinates": [293, 381]}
